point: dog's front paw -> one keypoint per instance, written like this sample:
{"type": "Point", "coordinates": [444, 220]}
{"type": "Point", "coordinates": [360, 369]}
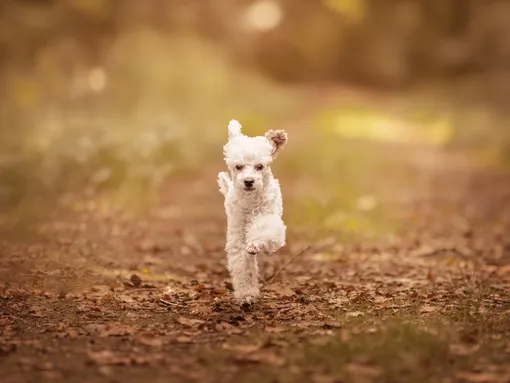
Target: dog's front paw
{"type": "Point", "coordinates": [253, 248]}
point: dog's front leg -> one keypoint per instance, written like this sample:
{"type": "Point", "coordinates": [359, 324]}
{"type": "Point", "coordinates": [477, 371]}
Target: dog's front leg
{"type": "Point", "coordinates": [266, 232]}
{"type": "Point", "coordinates": [224, 183]}
{"type": "Point", "coordinates": [242, 267]}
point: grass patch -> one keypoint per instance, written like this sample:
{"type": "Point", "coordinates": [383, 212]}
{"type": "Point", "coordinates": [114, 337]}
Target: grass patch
{"type": "Point", "coordinates": [395, 352]}
{"type": "Point", "coordinates": [467, 336]}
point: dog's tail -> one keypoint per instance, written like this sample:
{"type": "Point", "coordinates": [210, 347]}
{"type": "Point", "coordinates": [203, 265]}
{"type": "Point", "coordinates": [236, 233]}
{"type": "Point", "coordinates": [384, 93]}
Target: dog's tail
{"type": "Point", "coordinates": [224, 182]}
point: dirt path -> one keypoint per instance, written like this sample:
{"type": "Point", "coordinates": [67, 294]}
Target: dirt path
{"type": "Point", "coordinates": [107, 297]}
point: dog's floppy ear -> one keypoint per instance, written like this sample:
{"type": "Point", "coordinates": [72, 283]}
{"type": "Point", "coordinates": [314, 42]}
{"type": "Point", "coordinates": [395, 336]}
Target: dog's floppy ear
{"type": "Point", "coordinates": [278, 139]}
{"type": "Point", "coordinates": [234, 129]}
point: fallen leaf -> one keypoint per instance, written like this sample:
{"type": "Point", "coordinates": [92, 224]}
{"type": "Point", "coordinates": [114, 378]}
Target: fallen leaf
{"type": "Point", "coordinates": [274, 329]}
{"type": "Point", "coordinates": [135, 280]}
{"type": "Point", "coordinates": [37, 314]}
{"type": "Point", "coordinates": [106, 357]}
{"type": "Point", "coordinates": [427, 309]}
{"type": "Point", "coordinates": [94, 328]}
{"type": "Point", "coordinates": [463, 350]}
{"type": "Point", "coordinates": [205, 297]}
{"type": "Point", "coordinates": [355, 314]}
{"type": "Point", "coordinates": [228, 328]}
{"type": "Point", "coordinates": [482, 377]}
{"type": "Point", "coordinates": [149, 339]}
{"type": "Point", "coordinates": [189, 322]}
{"type": "Point", "coordinates": [70, 333]}
{"type": "Point", "coordinates": [117, 330]}
{"type": "Point", "coordinates": [283, 291]}
{"type": "Point", "coordinates": [332, 324]}
{"type": "Point", "coordinates": [219, 291]}
{"type": "Point", "coordinates": [261, 356]}
{"type": "Point", "coordinates": [243, 348]}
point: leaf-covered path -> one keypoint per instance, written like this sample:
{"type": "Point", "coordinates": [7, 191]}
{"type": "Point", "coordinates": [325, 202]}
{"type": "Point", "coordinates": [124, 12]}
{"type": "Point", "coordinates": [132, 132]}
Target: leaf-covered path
{"type": "Point", "coordinates": [105, 296]}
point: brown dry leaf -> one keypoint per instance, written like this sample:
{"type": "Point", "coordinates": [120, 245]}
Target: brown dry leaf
{"type": "Point", "coordinates": [144, 360]}
{"type": "Point", "coordinates": [504, 272]}
{"type": "Point", "coordinates": [70, 333]}
{"type": "Point", "coordinates": [201, 310]}
{"type": "Point", "coordinates": [274, 329]}
{"type": "Point", "coordinates": [107, 357]}
{"type": "Point", "coordinates": [117, 330]}
{"type": "Point", "coordinates": [381, 299]}
{"type": "Point", "coordinates": [306, 324]}
{"type": "Point", "coordinates": [261, 356]}
{"type": "Point", "coordinates": [228, 328]}
{"type": "Point", "coordinates": [149, 339]}
{"type": "Point", "coordinates": [482, 377]}
{"type": "Point", "coordinates": [332, 324]}
{"type": "Point", "coordinates": [190, 322]}
{"type": "Point", "coordinates": [94, 328]}
{"type": "Point", "coordinates": [136, 280]}
{"type": "Point", "coordinates": [126, 299]}
{"type": "Point", "coordinates": [205, 297]}
{"type": "Point", "coordinates": [243, 348]}
{"type": "Point", "coordinates": [37, 314]}
{"type": "Point", "coordinates": [184, 339]}
{"type": "Point", "coordinates": [463, 349]}
{"type": "Point", "coordinates": [219, 291]}
{"type": "Point", "coordinates": [427, 309]}
{"type": "Point", "coordinates": [283, 291]}
{"type": "Point", "coordinates": [355, 314]}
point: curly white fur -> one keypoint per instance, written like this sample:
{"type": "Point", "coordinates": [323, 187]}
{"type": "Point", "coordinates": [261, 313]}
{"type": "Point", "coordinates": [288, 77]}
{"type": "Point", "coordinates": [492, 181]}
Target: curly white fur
{"type": "Point", "coordinates": [253, 204]}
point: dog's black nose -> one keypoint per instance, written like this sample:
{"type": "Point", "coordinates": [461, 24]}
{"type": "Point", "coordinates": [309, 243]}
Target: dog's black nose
{"type": "Point", "coordinates": [248, 182]}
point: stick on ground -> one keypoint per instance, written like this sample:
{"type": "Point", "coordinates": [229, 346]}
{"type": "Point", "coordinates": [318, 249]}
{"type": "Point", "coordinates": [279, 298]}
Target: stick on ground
{"type": "Point", "coordinates": [277, 272]}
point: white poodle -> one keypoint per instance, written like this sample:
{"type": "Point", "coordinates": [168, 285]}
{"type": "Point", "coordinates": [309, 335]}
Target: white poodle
{"type": "Point", "coordinates": [253, 203]}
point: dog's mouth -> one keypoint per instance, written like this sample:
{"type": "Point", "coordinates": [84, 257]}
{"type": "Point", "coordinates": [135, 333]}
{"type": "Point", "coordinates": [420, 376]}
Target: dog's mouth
{"type": "Point", "coordinates": [251, 188]}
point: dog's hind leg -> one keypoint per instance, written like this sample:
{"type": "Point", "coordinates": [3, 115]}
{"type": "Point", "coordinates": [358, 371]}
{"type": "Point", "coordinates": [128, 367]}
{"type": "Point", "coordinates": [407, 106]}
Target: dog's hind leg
{"type": "Point", "coordinates": [243, 270]}
{"type": "Point", "coordinates": [242, 267]}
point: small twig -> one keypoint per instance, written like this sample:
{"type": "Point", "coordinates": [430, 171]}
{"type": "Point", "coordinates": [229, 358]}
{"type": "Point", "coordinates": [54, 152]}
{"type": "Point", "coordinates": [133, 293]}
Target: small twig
{"type": "Point", "coordinates": [277, 272]}
{"type": "Point", "coordinates": [503, 301]}
{"type": "Point", "coordinates": [301, 252]}
{"type": "Point", "coordinates": [166, 303]}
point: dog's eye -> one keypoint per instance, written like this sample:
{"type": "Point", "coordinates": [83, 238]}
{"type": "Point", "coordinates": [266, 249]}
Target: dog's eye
{"type": "Point", "coordinates": [239, 167]}
{"type": "Point", "coordinates": [259, 167]}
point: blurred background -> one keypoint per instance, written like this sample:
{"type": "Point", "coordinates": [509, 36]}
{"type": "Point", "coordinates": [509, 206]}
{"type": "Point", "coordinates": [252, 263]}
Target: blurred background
{"type": "Point", "coordinates": [117, 97]}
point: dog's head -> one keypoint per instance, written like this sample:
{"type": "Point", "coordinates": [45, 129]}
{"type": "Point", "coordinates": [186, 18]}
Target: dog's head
{"type": "Point", "coordinates": [249, 158]}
